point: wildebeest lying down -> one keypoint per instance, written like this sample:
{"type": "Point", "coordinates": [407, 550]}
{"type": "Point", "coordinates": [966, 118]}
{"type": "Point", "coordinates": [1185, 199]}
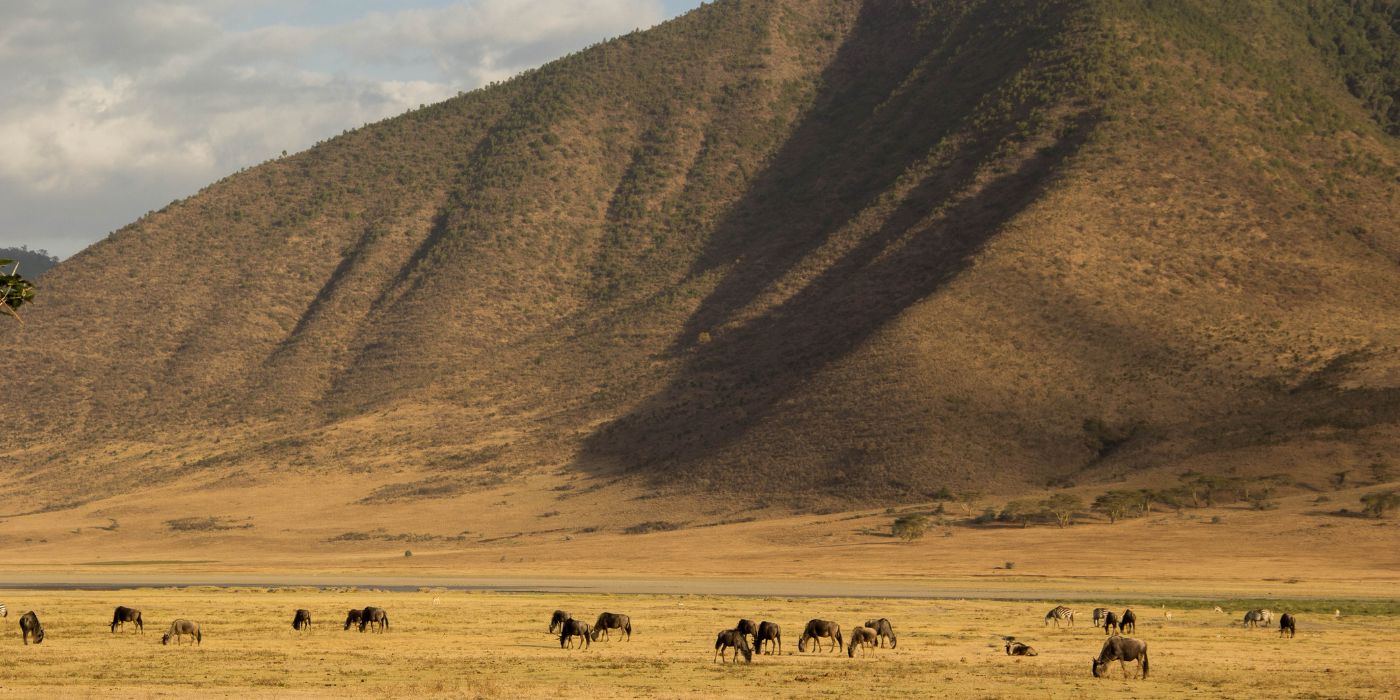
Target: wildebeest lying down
{"type": "Point", "coordinates": [883, 630]}
{"type": "Point", "coordinates": [557, 619]}
{"type": "Point", "coordinates": [376, 617]}
{"type": "Point", "coordinates": [1122, 650]}
{"type": "Point", "coordinates": [353, 617]}
{"type": "Point", "coordinates": [1015, 648]}
{"type": "Point", "coordinates": [736, 640]}
{"type": "Point", "coordinates": [815, 630]}
{"type": "Point", "coordinates": [771, 633]}
{"type": "Point", "coordinates": [1286, 623]}
{"type": "Point", "coordinates": [301, 620]}
{"type": "Point", "coordinates": [123, 615]}
{"type": "Point", "coordinates": [610, 621]}
{"type": "Point", "coordinates": [180, 628]}
{"type": "Point", "coordinates": [29, 626]}
{"type": "Point", "coordinates": [571, 628]}
{"type": "Point", "coordinates": [861, 637]}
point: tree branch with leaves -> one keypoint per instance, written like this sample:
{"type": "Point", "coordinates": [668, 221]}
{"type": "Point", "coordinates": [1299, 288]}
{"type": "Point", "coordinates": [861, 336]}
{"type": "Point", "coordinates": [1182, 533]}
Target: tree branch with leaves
{"type": "Point", "coordinates": [15, 291]}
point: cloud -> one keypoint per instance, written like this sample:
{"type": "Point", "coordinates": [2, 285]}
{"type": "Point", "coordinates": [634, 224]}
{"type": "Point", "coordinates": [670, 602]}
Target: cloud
{"type": "Point", "coordinates": [111, 109]}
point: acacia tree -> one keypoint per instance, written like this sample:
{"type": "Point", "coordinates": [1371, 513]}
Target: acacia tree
{"type": "Point", "coordinates": [909, 527]}
{"type": "Point", "coordinates": [1063, 506]}
{"type": "Point", "coordinates": [15, 291]}
{"type": "Point", "coordinates": [1381, 501]}
{"type": "Point", "coordinates": [1021, 512]}
{"type": "Point", "coordinates": [1114, 504]}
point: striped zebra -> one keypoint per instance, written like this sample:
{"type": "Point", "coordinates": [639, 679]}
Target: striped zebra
{"type": "Point", "coordinates": [1060, 612]}
{"type": "Point", "coordinates": [4, 612]}
{"type": "Point", "coordinates": [1261, 616]}
{"type": "Point", "coordinates": [1099, 615]}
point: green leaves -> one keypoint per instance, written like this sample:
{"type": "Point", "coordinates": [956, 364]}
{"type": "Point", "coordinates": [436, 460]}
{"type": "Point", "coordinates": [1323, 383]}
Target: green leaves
{"type": "Point", "coordinates": [15, 291]}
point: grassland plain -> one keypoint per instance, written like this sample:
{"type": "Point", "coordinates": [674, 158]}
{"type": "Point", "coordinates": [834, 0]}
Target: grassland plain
{"type": "Point", "coordinates": [489, 645]}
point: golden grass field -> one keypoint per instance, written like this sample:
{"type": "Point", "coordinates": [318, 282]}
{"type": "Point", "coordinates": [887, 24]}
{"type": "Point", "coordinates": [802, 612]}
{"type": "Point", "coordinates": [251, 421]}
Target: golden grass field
{"type": "Point", "coordinates": [487, 645]}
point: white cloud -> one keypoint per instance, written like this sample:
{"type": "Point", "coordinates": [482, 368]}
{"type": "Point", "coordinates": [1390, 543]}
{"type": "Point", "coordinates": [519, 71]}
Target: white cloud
{"type": "Point", "coordinates": [110, 109]}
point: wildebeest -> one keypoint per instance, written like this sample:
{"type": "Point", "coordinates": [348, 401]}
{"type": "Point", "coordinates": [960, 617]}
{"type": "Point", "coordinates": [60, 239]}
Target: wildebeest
{"type": "Point", "coordinates": [301, 620]}
{"type": "Point", "coordinates": [29, 626]}
{"type": "Point", "coordinates": [571, 628]}
{"type": "Point", "coordinates": [1286, 623]}
{"type": "Point", "coordinates": [861, 637]}
{"type": "Point", "coordinates": [610, 621]}
{"type": "Point", "coordinates": [1058, 613]}
{"type": "Point", "coordinates": [748, 627]}
{"type": "Point", "coordinates": [883, 630]}
{"type": "Point", "coordinates": [1099, 614]}
{"type": "Point", "coordinates": [123, 615]}
{"type": "Point", "coordinates": [374, 616]}
{"type": "Point", "coordinates": [180, 628]}
{"type": "Point", "coordinates": [815, 630]}
{"type": "Point", "coordinates": [1015, 648]}
{"type": "Point", "coordinates": [557, 619]}
{"type": "Point", "coordinates": [771, 633]}
{"type": "Point", "coordinates": [736, 640]}
{"type": "Point", "coordinates": [353, 617]}
{"type": "Point", "coordinates": [1122, 650]}
{"type": "Point", "coordinates": [1128, 622]}
{"type": "Point", "coordinates": [1260, 616]}
{"type": "Point", "coordinates": [1110, 621]}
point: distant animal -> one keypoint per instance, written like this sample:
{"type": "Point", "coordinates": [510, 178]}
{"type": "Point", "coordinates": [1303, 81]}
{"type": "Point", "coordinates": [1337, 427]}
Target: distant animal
{"type": "Point", "coordinates": [884, 630]}
{"type": "Point", "coordinates": [1286, 623]}
{"type": "Point", "coordinates": [1222, 612]}
{"type": "Point", "coordinates": [123, 615]}
{"type": "Point", "coordinates": [353, 617]}
{"type": "Point", "coordinates": [557, 619]}
{"type": "Point", "coordinates": [736, 640]}
{"type": "Point", "coordinates": [612, 621]}
{"type": "Point", "coordinates": [301, 620]}
{"type": "Point", "coordinates": [862, 637]}
{"type": "Point", "coordinates": [376, 617]}
{"type": "Point", "coordinates": [571, 628]}
{"type": "Point", "coordinates": [771, 633]}
{"type": "Point", "coordinates": [815, 630]}
{"type": "Point", "coordinates": [29, 627]}
{"type": "Point", "coordinates": [437, 601]}
{"type": "Point", "coordinates": [1128, 622]}
{"type": "Point", "coordinates": [1261, 616]}
{"type": "Point", "coordinates": [1110, 622]}
{"type": "Point", "coordinates": [180, 628]}
{"type": "Point", "coordinates": [1015, 648]}
{"type": "Point", "coordinates": [1336, 614]}
{"type": "Point", "coordinates": [1099, 614]}
{"type": "Point", "coordinates": [748, 627]}
{"type": "Point", "coordinates": [4, 611]}
{"type": "Point", "coordinates": [1058, 613]}
{"type": "Point", "coordinates": [1122, 650]}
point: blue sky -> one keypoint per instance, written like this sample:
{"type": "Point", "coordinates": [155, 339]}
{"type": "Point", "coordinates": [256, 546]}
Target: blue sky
{"type": "Point", "coordinates": [111, 109]}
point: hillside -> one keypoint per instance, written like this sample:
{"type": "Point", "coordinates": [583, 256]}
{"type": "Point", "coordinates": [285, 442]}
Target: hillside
{"type": "Point", "coordinates": [774, 254]}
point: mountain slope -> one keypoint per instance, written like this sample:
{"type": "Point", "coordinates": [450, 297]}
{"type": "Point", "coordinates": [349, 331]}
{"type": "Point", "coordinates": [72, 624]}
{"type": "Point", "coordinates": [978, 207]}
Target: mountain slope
{"type": "Point", "coordinates": [793, 251]}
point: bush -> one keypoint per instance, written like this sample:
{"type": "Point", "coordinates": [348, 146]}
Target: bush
{"type": "Point", "coordinates": [1378, 502]}
{"type": "Point", "coordinates": [909, 527]}
{"type": "Point", "coordinates": [408, 552]}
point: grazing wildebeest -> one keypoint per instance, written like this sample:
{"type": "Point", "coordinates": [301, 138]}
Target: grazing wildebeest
{"type": "Point", "coordinates": [609, 621]}
{"type": "Point", "coordinates": [1261, 616]}
{"type": "Point", "coordinates": [883, 629]}
{"type": "Point", "coordinates": [1122, 650]}
{"type": "Point", "coordinates": [557, 619]}
{"type": "Point", "coordinates": [1286, 623]}
{"type": "Point", "coordinates": [571, 628]}
{"type": "Point", "coordinates": [771, 633]}
{"type": "Point", "coordinates": [374, 616]}
{"type": "Point", "coordinates": [301, 620]}
{"type": "Point", "coordinates": [748, 627]}
{"type": "Point", "coordinates": [736, 640]}
{"type": "Point", "coordinates": [1128, 621]}
{"type": "Point", "coordinates": [1110, 621]}
{"type": "Point", "coordinates": [815, 630]}
{"type": "Point", "coordinates": [1060, 612]}
{"type": "Point", "coordinates": [180, 628]}
{"type": "Point", "coordinates": [1015, 648]}
{"type": "Point", "coordinates": [353, 617]}
{"type": "Point", "coordinates": [1099, 614]}
{"type": "Point", "coordinates": [29, 626]}
{"type": "Point", "coordinates": [123, 615]}
{"type": "Point", "coordinates": [862, 637]}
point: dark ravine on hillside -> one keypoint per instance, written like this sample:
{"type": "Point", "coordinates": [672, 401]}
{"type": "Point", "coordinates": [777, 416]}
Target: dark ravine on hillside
{"type": "Point", "coordinates": [784, 249]}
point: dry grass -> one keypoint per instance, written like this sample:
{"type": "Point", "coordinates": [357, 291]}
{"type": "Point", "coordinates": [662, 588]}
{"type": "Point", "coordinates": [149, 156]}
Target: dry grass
{"type": "Point", "coordinates": [494, 645]}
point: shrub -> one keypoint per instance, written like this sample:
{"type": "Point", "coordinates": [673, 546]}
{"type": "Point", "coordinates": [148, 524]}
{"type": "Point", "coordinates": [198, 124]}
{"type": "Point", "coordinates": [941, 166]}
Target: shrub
{"type": "Point", "coordinates": [1377, 503]}
{"type": "Point", "coordinates": [909, 527]}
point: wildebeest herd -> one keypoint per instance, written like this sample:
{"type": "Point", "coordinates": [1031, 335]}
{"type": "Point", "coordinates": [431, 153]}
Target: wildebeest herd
{"type": "Point", "coordinates": [746, 638]}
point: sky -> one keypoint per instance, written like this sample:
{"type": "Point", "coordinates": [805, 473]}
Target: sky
{"type": "Point", "coordinates": [112, 108]}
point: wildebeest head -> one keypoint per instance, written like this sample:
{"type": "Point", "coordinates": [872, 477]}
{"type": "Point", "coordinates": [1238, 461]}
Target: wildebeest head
{"type": "Point", "coordinates": [1098, 668]}
{"type": "Point", "coordinates": [165, 638]}
{"type": "Point", "coordinates": [39, 636]}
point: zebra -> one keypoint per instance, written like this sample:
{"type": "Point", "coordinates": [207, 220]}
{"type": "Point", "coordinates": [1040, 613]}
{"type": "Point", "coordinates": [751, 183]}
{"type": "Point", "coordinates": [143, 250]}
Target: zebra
{"type": "Point", "coordinates": [1261, 616]}
{"type": "Point", "coordinates": [4, 611]}
{"type": "Point", "coordinates": [1060, 612]}
{"type": "Point", "coordinates": [1099, 615]}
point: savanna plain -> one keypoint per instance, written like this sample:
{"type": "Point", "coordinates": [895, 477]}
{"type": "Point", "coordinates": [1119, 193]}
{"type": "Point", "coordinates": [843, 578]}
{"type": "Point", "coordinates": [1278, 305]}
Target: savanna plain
{"type": "Point", "coordinates": [485, 645]}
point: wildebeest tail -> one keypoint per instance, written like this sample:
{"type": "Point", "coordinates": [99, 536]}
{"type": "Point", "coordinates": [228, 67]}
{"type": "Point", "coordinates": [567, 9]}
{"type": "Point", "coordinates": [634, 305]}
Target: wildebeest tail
{"type": "Point", "coordinates": [199, 635]}
{"type": "Point", "coordinates": [386, 621]}
{"type": "Point", "coordinates": [139, 624]}
{"type": "Point", "coordinates": [628, 628]}
{"type": "Point", "coordinates": [1144, 661]}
